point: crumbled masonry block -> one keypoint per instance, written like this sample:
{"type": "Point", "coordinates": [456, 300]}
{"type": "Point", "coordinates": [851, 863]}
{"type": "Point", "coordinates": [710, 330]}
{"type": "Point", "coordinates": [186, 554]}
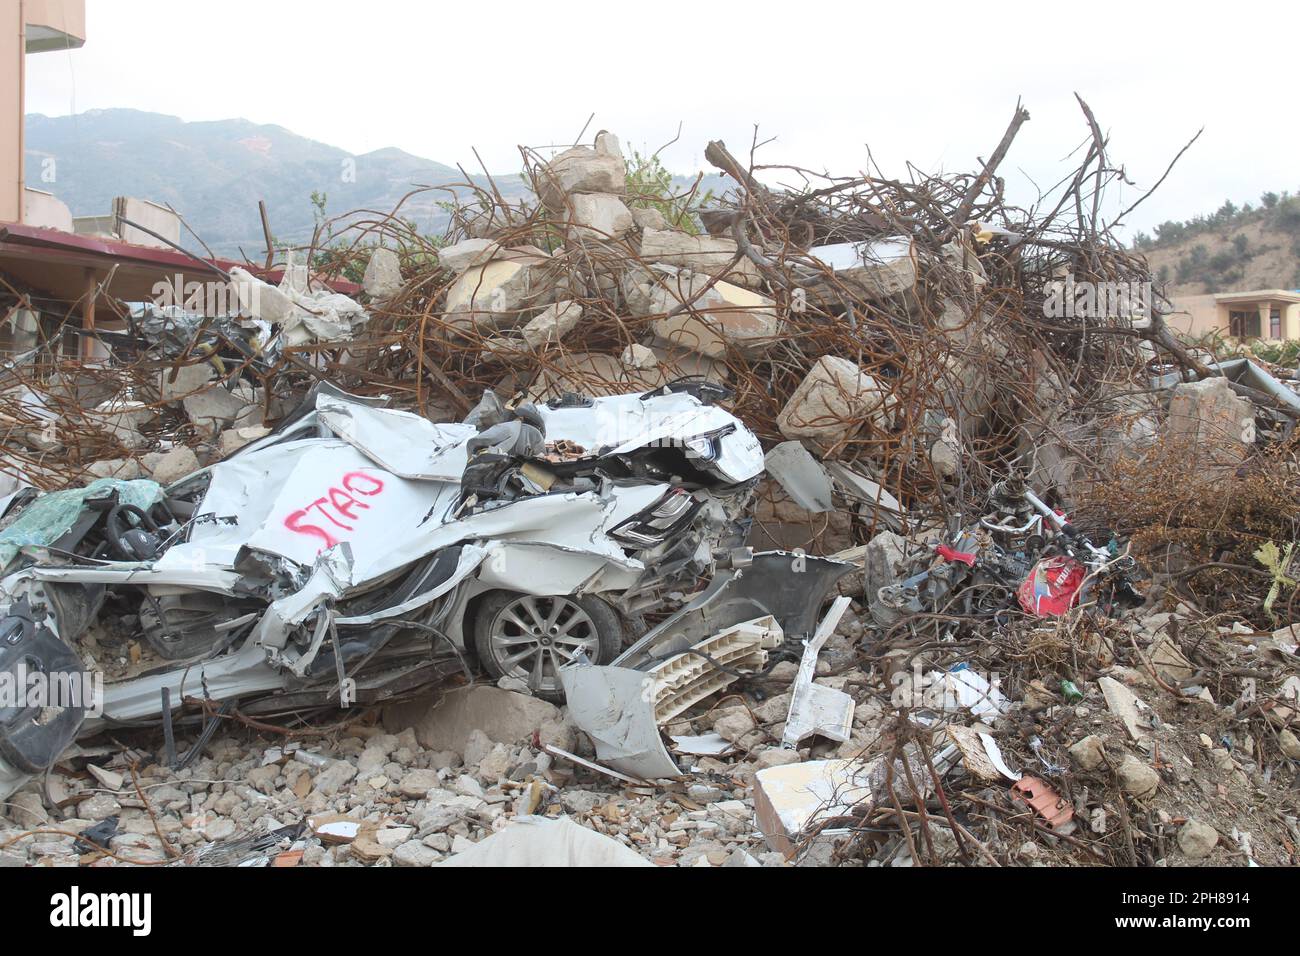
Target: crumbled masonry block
{"type": "Point", "coordinates": [470, 252]}
{"type": "Point", "coordinates": [233, 439]}
{"type": "Point", "coordinates": [702, 254]}
{"type": "Point", "coordinates": [582, 170]}
{"type": "Point", "coordinates": [791, 797]}
{"type": "Point", "coordinates": [383, 277]}
{"type": "Point", "coordinates": [499, 292]}
{"type": "Point", "coordinates": [173, 465]}
{"type": "Point", "coordinates": [647, 219]}
{"type": "Point", "coordinates": [504, 716]}
{"type": "Point", "coordinates": [884, 271]}
{"type": "Point", "coordinates": [1207, 417]}
{"type": "Point", "coordinates": [719, 317]}
{"type": "Point", "coordinates": [638, 356]}
{"type": "Point", "coordinates": [832, 402]}
{"type": "Point", "coordinates": [549, 328]}
{"type": "Point", "coordinates": [599, 216]}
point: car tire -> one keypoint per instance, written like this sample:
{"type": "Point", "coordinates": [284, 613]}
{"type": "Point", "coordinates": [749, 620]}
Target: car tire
{"type": "Point", "coordinates": [529, 637]}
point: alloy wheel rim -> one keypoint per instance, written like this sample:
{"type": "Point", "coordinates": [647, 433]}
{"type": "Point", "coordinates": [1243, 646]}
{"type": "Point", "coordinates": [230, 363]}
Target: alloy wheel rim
{"type": "Point", "coordinates": [533, 637]}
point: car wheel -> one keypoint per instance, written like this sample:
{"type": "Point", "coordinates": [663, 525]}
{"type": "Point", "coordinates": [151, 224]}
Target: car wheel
{"type": "Point", "coordinates": [530, 638]}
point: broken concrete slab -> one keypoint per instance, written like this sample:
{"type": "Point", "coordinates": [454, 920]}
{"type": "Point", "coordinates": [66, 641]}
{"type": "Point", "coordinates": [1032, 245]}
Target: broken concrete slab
{"type": "Point", "coordinates": [233, 439]}
{"type": "Point", "coordinates": [582, 170]}
{"type": "Point", "coordinates": [174, 465]}
{"type": "Point", "coordinates": [213, 410]}
{"type": "Point", "coordinates": [801, 475]}
{"type": "Point", "coordinates": [711, 317]}
{"type": "Point", "coordinates": [639, 357]}
{"type": "Point", "coordinates": [1170, 662]}
{"type": "Point", "coordinates": [591, 373]}
{"type": "Point", "coordinates": [549, 328]}
{"type": "Point", "coordinates": [469, 252]}
{"type": "Point", "coordinates": [500, 292]}
{"type": "Point", "coordinates": [650, 218]}
{"type": "Point", "coordinates": [1209, 420]}
{"type": "Point", "coordinates": [189, 378]}
{"type": "Point", "coordinates": [383, 276]}
{"type": "Point", "coordinates": [832, 403]}
{"type": "Point", "coordinates": [504, 716]}
{"type": "Point", "coordinates": [791, 800]}
{"type": "Point", "coordinates": [878, 271]}
{"type": "Point", "coordinates": [122, 468]}
{"type": "Point", "coordinates": [1124, 704]}
{"type": "Point", "coordinates": [122, 420]}
{"type": "Point", "coordinates": [699, 254]}
{"type": "Point", "coordinates": [599, 216]}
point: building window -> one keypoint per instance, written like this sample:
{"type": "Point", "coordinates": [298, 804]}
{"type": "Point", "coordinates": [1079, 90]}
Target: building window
{"type": "Point", "coordinates": [1275, 324]}
{"type": "Point", "coordinates": [1244, 325]}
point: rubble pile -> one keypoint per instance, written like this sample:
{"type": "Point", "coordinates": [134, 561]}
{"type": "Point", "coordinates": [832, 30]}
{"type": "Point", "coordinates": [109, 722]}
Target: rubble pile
{"type": "Point", "coordinates": [1062, 540]}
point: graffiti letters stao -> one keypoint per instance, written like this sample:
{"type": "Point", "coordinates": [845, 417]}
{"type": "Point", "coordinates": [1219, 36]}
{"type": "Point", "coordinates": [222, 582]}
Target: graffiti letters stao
{"type": "Point", "coordinates": [343, 503]}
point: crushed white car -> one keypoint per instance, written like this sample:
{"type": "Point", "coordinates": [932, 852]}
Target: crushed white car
{"type": "Point", "coordinates": [358, 552]}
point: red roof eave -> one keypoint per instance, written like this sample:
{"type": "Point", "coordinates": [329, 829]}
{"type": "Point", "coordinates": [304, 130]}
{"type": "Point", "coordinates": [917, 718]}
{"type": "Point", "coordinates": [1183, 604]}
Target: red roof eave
{"type": "Point", "coordinates": [116, 250]}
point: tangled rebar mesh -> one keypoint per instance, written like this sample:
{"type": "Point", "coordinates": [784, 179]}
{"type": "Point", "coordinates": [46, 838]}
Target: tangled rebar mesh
{"type": "Point", "coordinates": [960, 343]}
{"type": "Point", "coordinates": [968, 341]}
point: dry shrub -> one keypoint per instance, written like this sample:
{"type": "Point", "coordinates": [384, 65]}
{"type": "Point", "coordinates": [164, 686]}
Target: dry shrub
{"type": "Point", "coordinates": [1203, 525]}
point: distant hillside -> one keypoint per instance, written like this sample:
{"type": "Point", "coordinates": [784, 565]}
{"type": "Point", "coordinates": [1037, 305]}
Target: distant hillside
{"type": "Point", "coordinates": [1235, 248]}
{"type": "Point", "coordinates": [214, 173]}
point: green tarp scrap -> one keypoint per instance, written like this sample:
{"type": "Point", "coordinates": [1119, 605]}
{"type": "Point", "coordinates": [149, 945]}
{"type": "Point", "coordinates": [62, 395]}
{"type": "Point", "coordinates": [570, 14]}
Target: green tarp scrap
{"type": "Point", "coordinates": [52, 515]}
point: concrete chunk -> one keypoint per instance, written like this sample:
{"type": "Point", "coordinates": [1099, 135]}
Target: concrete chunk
{"type": "Point", "coordinates": [189, 378]}
{"type": "Point", "coordinates": [552, 325]}
{"type": "Point", "coordinates": [1210, 420]}
{"type": "Point", "coordinates": [801, 475]}
{"type": "Point", "coordinates": [719, 317]}
{"type": "Point", "coordinates": [174, 465]}
{"type": "Point", "coordinates": [233, 439]}
{"type": "Point", "coordinates": [790, 798]}
{"type": "Point", "coordinates": [703, 254]}
{"type": "Point", "coordinates": [471, 252]}
{"type": "Point", "coordinates": [582, 169]}
{"type": "Point", "coordinates": [878, 271]}
{"type": "Point", "coordinates": [638, 356]}
{"type": "Point", "coordinates": [832, 403]}
{"type": "Point", "coordinates": [503, 716]}
{"type": "Point", "coordinates": [647, 219]}
{"type": "Point", "coordinates": [600, 216]}
{"type": "Point", "coordinates": [500, 292]}
{"type": "Point", "coordinates": [383, 277]}
{"type": "Point", "coordinates": [214, 409]}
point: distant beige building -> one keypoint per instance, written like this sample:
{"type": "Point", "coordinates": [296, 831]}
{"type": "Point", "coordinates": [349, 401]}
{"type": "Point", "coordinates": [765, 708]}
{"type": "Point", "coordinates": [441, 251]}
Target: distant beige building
{"type": "Point", "coordinates": [1269, 314]}
{"type": "Point", "coordinates": [30, 26]}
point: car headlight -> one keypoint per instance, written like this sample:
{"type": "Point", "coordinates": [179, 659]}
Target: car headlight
{"type": "Point", "coordinates": [708, 446]}
{"type": "Point", "coordinates": [662, 520]}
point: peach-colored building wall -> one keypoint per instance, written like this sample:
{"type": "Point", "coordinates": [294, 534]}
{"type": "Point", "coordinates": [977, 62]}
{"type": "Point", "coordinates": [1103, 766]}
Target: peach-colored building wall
{"type": "Point", "coordinates": [1199, 315]}
{"type": "Point", "coordinates": [27, 26]}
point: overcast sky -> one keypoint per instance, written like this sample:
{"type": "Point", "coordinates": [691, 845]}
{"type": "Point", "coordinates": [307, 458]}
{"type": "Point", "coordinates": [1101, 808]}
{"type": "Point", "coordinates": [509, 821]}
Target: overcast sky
{"type": "Point", "coordinates": [934, 83]}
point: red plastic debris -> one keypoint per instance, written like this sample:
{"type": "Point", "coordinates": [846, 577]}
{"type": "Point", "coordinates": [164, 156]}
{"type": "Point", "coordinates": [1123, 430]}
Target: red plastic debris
{"type": "Point", "coordinates": [1052, 588]}
{"type": "Point", "coordinates": [948, 554]}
